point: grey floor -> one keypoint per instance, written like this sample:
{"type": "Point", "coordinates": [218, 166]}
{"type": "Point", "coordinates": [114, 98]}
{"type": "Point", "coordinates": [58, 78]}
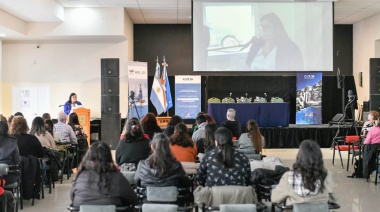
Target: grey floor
{"type": "Point", "coordinates": [352, 194]}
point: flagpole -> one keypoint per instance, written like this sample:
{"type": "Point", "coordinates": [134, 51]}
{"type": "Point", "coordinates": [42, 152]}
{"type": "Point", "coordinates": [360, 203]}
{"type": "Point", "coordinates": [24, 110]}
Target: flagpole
{"type": "Point", "coordinates": [166, 65]}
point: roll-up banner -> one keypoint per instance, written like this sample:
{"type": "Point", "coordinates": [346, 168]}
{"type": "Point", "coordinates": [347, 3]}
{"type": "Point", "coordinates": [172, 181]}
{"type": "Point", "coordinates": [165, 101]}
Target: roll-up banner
{"type": "Point", "coordinates": [187, 96]}
{"type": "Point", "coordinates": [138, 89]}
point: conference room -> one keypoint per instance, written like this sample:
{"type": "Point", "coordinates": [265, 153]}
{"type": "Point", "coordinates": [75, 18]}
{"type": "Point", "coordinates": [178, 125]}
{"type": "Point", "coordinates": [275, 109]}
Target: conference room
{"type": "Point", "coordinates": [54, 48]}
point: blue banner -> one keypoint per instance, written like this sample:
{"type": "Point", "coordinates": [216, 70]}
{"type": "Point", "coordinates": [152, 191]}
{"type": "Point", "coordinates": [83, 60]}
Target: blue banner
{"type": "Point", "coordinates": [187, 96]}
{"type": "Point", "coordinates": [309, 98]}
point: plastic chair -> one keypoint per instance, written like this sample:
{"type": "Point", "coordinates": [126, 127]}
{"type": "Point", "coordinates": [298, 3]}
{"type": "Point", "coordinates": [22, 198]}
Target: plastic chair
{"type": "Point", "coordinates": [130, 176]}
{"type": "Point", "coordinates": [309, 207]}
{"type": "Point", "coordinates": [96, 208]}
{"type": "Point", "coordinates": [149, 207]}
{"type": "Point", "coordinates": [346, 143]}
{"type": "Point", "coordinates": [16, 187]}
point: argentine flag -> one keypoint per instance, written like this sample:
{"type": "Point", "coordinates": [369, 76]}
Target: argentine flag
{"type": "Point", "coordinates": [157, 93]}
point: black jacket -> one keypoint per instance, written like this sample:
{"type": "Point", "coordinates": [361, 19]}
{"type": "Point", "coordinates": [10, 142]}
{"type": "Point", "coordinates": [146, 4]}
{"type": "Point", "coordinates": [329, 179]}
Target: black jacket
{"type": "Point", "coordinates": [9, 155]}
{"type": "Point", "coordinates": [146, 176]}
{"type": "Point", "coordinates": [132, 152]}
{"type": "Point", "coordinates": [85, 190]}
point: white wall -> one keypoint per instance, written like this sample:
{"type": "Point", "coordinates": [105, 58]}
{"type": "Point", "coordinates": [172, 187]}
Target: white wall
{"type": "Point", "coordinates": [64, 66]}
{"type": "Point", "coordinates": [365, 35]}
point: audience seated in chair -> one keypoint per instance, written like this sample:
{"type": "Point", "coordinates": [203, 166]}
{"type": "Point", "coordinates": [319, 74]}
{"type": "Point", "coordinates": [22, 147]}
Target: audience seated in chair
{"type": "Point", "coordinates": [224, 165]}
{"type": "Point", "coordinates": [65, 131]}
{"type": "Point", "coordinates": [372, 120]}
{"type": "Point", "coordinates": [8, 151]}
{"type": "Point", "coordinates": [251, 142]}
{"type": "Point", "coordinates": [134, 146]}
{"type": "Point", "coordinates": [174, 120]}
{"type": "Point", "coordinates": [232, 124]}
{"type": "Point", "coordinates": [149, 125]}
{"type": "Point", "coordinates": [181, 145]}
{"type": "Point", "coordinates": [38, 129]}
{"type": "Point", "coordinates": [161, 168]}
{"type": "Point", "coordinates": [308, 182]}
{"type": "Point", "coordinates": [200, 132]}
{"type": "Point", "coordinates": [372, 143]}
{"type": "Point", "coordinates": [98, 181]}
{"type": "Point", "coordinates": [208, 142]}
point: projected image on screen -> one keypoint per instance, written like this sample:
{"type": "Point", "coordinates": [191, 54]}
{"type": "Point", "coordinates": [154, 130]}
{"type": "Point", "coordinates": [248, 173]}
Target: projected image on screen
{"type": "Point", "coordinates": [247, 36]}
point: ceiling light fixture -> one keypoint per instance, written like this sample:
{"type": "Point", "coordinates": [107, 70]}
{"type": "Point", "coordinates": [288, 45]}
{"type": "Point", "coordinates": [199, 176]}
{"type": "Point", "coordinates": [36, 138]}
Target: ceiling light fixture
{"type": "Point", "coordinates": [2, 35]}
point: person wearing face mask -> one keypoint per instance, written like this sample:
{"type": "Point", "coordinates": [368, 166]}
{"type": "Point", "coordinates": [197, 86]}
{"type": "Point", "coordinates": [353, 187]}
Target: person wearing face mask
{"type": "Point", "coordinates": [71, 104]}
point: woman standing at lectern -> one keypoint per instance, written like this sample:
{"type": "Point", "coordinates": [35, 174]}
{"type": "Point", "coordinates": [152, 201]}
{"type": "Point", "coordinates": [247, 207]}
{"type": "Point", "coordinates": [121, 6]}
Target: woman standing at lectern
{"type": "Point", "coordinates": [71, 104]}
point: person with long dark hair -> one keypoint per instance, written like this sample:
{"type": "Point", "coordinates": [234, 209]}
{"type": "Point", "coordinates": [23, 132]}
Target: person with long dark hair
{"type": "Point", "coordinates": [39, 130]}
{"type": "Point", "coordinates": [98, 181]}
{"type": "Point", "coordinates": [252, 141]}
{"type": "Point", "coordinates": [208, 142]}
{"type": "Point", "coordinates": [134, 146]}
{"type": "Point", "coordinates": [71, 103]}
{"type": "Point", "coordinates": [49, 125]}
{"type": "Point", "coordinates": [308, 182]}
{"type": "Point", "coordinates": [149, 124]}
{"type": "Point", "coordinates": [8, 151]}
{"type": "Point", "coordinates": [181, 145]}
{"type": "Point", "coordinates": [161, 168]}
{"type": "Point", "coordinates": [77, 128]}
{"type": "Point", "coordinates": [174, 120]}
{"type": "Point", "coordinates": [224, 165]}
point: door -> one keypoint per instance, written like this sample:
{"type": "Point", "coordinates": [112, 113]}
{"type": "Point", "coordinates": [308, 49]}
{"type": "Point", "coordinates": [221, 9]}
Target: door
{"type": "Point", "coordinates": [31, 101]}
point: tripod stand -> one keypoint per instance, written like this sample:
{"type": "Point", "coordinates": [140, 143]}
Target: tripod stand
{"type": "Point", "coordinates": [131, 106]}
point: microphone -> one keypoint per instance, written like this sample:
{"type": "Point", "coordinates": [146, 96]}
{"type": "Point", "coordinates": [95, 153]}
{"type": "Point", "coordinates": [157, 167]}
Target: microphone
{"type": "Point", "coordinates": [265, 94]}
{"type": "Point", "coordinates": [351, 95]}
{"type": "Point", "coordinates": [61, 105]}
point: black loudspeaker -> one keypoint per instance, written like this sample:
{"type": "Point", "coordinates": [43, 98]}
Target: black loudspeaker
{"type": "Point", "coordinates": [374, 102]}
{"type": "Point", "coordinates": [110, 85]}
{"type": "Point", "coordinates": [110, 104]}
{"type": "Point", "coordinates": [110, 129]}
{"type": "Point", "coordinates": [338, 117]}
{"type": "Point", "coordinates": [366, 106]}
{"type": "Point", "coordinates": [110, 67]}
{"type": "Point", "coordinates": [374, 75]}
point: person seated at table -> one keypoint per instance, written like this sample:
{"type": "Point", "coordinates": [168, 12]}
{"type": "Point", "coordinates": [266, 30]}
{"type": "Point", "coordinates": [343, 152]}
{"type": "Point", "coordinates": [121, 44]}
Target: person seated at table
{"type": "Point", "coordinates": [201, 123]}
{"type": "Point", "coordinates": [149, 124]}
{"type": "Point", "coordinates": [134, 146]}
{"type": "Point", "coordinates": [251, 142]}
{"type": "Point", "coordinates": [8, 151]}
{"type": "Point", "coordinates": [308, 182]}
{"type": "Point", "coordinates": [174, 120]}
{"type": "Point", "coordinates": [98, 181]}
{"type": "Point", "coordinates": [224, 165]}
{"type": "Point", "coordinates": [232, 124]}
{"type": "Point", "coordinates": [181, 145]}
{"type": "Point", "coordinates": [161, 168]}
{"type": "Point", "coordinates": [38, 129]}
{"type": "Point", "coordinates": [208, 142]}
{"type": "Point", "coordinates": [371, 122]}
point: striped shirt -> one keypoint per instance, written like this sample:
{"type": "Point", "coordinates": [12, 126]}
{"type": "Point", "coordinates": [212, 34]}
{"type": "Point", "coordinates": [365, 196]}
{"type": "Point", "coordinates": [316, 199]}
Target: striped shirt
{"type": "Point", "coordinates": [66, 132]}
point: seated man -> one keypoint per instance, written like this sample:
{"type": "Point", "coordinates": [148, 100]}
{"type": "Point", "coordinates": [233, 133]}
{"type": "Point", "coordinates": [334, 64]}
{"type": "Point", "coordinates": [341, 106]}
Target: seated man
{"type": "Point", "coordinates": [66, 131]}
{"type": "Point", "coordinates": [201, 123]}
{"type": "Point", "coordinates": [232, 124]}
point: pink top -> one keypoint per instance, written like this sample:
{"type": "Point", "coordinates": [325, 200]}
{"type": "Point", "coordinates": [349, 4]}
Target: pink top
{"type": "Point", "coordinates": [373, 136]}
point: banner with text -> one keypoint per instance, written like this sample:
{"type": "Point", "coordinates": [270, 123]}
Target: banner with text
{"type": "Point", "coordinates": [309, 98]}
{"type": "Point", "coordinates": [187, 96]}
{"type": "Point", "coordinates": [137, 89]}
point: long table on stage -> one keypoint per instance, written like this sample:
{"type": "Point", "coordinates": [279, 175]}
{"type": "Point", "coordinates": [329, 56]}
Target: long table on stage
{"type": "Point", "coordinates": [265, 114]}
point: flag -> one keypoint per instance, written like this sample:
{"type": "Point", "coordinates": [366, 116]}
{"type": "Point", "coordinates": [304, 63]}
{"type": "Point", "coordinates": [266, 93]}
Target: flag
{"type": "Point", "coordinates": [157, 93]}
{"type": "Point", "coordinates": [166, 85]}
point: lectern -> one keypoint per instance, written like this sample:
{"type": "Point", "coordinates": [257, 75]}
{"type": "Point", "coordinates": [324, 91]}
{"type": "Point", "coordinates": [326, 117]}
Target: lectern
{"type": "Point", "coordinates": [84, 120]}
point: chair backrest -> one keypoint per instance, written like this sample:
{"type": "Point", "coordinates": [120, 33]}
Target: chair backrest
{"type": "Point", "coordinates": [228, 100]}
{"type": "Point", "coordinates": [350, 138]}
{"type": "Point", "coordinates": [162, 194]}
{"type": "Point", "coordinates": [276, 100]}
{"type": "Point", "coordinates": [311, 207]}
{"type": "Point", "coordinates": [130, 176]}
{"type": "Point", "coordinates": [213, 100]}
{"type": "Point", "coordinates": [147, 207]}
{"type": "Point", "coordinates": [237, 207]}
{"type": "Point", "coordinates": [190, 167]}
{"type": "Point", "coordinates": [97, 208]}
{"type": "Point", "coordinates": [4, 168]}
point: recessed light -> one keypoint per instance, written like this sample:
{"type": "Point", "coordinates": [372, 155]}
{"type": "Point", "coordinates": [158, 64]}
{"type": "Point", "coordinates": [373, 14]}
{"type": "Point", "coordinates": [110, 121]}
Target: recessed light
{"type": "Point", "coordinates": [2, 35]}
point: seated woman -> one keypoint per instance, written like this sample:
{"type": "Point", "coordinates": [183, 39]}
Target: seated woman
{"type": "Point", "coordinates": [98, 182]}
{"type": "Point", "coordinates": [161, 168]}
{"type": "Point", "coordinates": [149, 124]}
{"type": "Point", "coordinates": [372, 144]}
{"type": "Point", "coordinates": [207, 143]}
{"type": "Point", "coordinates": [39, 130]}
{"type": "Point", "coordinates": [309, 182]}
{"type": "Point", "coordinates": [134, 147]}
{"type": "Point", "coordinates": [251, 142]}
{"type": "Point", "coordinates": [8, 151]}
{"type": "Point", "coordinates": [371, 122]}
{"type": "Point", "coordinates": [174, 120]}
{"type": "Point", "coordinates": [224, 165]}
{"type": "Point", "coordinates": [49, 125]}
{"type": "Point", "coordinates": [181, 145]}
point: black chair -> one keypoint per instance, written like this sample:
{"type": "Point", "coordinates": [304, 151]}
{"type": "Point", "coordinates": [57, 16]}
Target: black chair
{"type": "Point", "coordinates": [41, 184]}
{"type": "Point", "coordinates": [16, 188]}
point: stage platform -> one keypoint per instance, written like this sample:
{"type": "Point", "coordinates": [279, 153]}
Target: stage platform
{"type": "Point", "coordinates": [292, 136]}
